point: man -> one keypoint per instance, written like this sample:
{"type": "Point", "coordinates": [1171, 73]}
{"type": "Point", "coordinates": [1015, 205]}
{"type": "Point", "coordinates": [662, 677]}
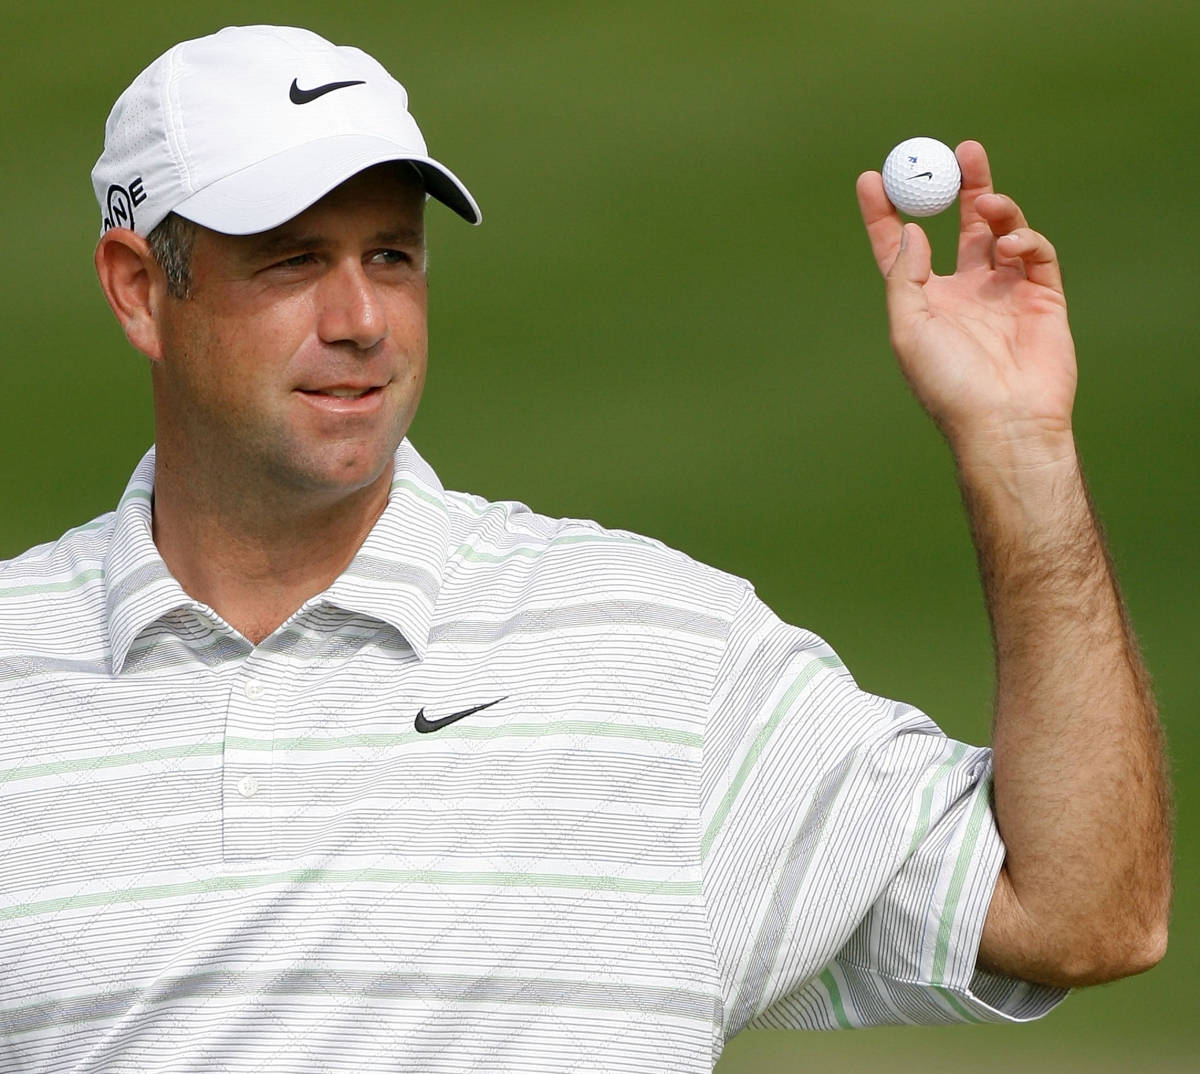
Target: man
{"type": "Point", "coordinates": [313, 765]}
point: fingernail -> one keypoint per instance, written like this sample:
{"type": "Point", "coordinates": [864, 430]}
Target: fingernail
{"type": "Point", "coordinates": [903, 237]}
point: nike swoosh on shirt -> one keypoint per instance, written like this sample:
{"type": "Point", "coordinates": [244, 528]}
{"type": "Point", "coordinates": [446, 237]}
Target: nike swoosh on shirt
{"type": "Point", "coordinates": [304, 96]}
{"type": "Point", "coordinates": [424, 726]}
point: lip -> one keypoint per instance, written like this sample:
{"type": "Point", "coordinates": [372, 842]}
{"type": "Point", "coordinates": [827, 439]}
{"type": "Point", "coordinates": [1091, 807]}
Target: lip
{"type": "Point", "coordinates": [368, 402]}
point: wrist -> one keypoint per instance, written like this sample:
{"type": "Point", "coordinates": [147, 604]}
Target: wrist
{"type": "Point", "coordinates": [1018, 485]}
{"type": "Point", "coordinates": [1016, 454]}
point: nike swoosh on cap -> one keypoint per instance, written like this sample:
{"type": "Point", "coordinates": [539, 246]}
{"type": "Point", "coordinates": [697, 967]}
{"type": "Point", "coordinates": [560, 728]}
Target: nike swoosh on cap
{"type": "Point", "coordinates": [424, 726]}
{"type": "Point", "coordinates": [304, 96]}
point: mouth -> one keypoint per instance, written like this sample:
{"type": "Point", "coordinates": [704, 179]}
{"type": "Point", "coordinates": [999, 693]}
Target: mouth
{"type": "Point", "coordinates": [342, 393]}
{"type": "Point", "coordinates": [344, 399]}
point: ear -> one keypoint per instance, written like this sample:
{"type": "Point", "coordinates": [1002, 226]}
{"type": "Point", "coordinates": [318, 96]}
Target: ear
{"type": "Point", "coordinates": [134, 285]}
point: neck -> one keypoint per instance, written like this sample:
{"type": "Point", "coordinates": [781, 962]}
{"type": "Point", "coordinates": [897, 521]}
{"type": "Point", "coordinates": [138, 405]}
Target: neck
{"type": "Point", "coordinates": [255, 560]}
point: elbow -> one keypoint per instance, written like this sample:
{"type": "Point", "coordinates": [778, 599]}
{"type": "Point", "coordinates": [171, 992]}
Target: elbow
{"type": "Point", "coordinates": [1073, 943]}
{"type": "Point", "coordinates": [1108, 958]}
{"type": "Point", "coordinates": [1144, 954]}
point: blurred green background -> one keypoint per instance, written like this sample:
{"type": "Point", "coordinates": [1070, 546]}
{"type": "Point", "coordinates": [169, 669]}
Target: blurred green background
{"type": "Point", "coordinates": [670, 322]}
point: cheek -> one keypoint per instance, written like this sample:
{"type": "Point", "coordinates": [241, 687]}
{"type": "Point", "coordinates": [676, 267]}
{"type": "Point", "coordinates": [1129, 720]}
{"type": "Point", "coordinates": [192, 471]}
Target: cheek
{"type": "Point", "coordinates": [250, 335]}
{"type": "Point", "coordinates": [410, 314]}
{"type": "Point", "coordinates": [410, 382]}
{"type": "Point", "coordinates": [409, 329]}
{"type": "Point", "coordinates": [213, 367]}
{"type": "Point", "coordinates": [416, 381]}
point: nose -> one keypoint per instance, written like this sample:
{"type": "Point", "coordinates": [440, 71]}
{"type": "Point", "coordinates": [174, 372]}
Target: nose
{"type": "Point", "coordinates": [351, 310]}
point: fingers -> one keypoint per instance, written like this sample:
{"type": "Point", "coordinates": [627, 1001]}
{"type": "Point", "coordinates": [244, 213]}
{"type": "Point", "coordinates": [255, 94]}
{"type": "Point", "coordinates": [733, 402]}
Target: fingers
{"type": "Point", "coordinates": [880, 219]}
{"type": "Point", "coordinates": [975, 237]}
{"type": "Point", "coordinates": [985, 215]}
{"type": "Point", "coordinates": [1000, 213]}
{"type": "Point", "coordinates": [993, 232]}
{"type": "Point", "coordinates": [906, 279]}
{"type": "Point", "coordinates": [1035, 253]}
{"type": "Point", "coordinates": [1002, 216]}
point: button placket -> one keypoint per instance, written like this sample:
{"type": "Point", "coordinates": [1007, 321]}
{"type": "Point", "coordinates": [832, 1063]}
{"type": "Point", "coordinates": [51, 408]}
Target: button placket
{"type": "Point", "coordinates": [248, 828]}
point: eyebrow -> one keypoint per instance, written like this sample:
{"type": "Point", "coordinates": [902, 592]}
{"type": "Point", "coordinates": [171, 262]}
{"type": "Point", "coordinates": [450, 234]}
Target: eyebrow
{"type": "Point", "coordinates": [399, 236]}
{"type": "Point", "coordinates": [281, 242]}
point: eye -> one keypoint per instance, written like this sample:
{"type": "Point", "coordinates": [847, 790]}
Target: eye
{"type": "Point", "coordinates": [295, 261]}
{"type": "Point", "coordinates": [390, 257]}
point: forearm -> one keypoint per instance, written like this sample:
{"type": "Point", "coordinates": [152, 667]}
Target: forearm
{"type": "Point", "coordinates": [1080, 785]}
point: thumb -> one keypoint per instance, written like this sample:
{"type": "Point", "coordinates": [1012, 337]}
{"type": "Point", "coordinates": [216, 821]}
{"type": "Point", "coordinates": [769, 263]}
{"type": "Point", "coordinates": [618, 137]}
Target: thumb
{"type": "Point", "coordinates": [908, 275]}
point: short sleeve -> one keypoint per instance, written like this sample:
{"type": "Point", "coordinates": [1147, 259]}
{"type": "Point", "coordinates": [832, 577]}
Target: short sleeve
{"type": "Point", "coordinates": [849, 851]}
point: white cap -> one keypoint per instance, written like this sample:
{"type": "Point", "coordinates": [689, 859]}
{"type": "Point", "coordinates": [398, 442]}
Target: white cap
{"type": "Point", "coordinates": [246, 128]}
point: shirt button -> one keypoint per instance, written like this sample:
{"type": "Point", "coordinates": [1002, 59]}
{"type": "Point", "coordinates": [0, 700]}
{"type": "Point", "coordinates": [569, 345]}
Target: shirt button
{"type": "Point", "coordinates": [247, 786]}
{"type": "Point", "coordinates": [253, 689]}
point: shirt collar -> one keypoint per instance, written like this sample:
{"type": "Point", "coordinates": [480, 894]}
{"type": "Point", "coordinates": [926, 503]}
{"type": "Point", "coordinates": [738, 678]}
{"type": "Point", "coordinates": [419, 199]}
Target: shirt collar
{"type": "Point", "coordinates": [397, 573]}
{"type": "Point", "coordinates": [138, 588]}
{"type": "Point", "coordinates": [395, 576]}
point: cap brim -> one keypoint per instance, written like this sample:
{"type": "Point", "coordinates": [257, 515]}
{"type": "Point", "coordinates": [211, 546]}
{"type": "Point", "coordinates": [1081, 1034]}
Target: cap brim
{"type": "Point", "coordinates": [274, 190]}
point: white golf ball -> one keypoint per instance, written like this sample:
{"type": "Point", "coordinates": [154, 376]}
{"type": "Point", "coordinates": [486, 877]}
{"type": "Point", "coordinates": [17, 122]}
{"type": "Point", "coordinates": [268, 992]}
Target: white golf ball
{"type": "Point", "coordinates": [921, 176]}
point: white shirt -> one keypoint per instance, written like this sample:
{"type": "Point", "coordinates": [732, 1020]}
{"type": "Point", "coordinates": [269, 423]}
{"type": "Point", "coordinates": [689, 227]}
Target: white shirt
{"type": "Point", "coordinates": [669, 816]}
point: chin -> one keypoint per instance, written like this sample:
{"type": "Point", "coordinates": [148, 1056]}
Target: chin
{"type": "Point", "coordinates": [334, 472]}
{"type": "Point", "coordinates": [359, 470]}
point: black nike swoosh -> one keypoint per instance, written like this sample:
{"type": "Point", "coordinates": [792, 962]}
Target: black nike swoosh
{"type": "Point", "coordinates": [922, 175]}
{"type": "Point", "coordinates": [424, 726]}
{"type": "Point", "coordinates": [304, 96]}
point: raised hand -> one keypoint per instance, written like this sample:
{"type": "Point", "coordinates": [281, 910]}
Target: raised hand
{"type": "Point", "coordinates": [987, 350]}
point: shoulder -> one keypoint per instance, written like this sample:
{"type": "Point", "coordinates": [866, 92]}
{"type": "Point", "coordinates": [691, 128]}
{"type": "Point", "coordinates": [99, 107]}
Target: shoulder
{"type": "Point", "coordinates": [571, 559]}
{"type": "Point", "coordinates": [50, 591]}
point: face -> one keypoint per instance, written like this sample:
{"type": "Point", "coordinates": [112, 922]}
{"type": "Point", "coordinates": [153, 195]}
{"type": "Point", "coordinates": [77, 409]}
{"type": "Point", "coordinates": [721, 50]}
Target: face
{"type": "Point", "coordinates": [295, 366]}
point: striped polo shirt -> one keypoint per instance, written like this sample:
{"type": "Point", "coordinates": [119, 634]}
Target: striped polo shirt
{"type": "Point", "coordinates": [513, 794]}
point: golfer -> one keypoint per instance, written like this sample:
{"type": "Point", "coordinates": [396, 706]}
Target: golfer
{"type": "Point", "coordinates": [310, 764]}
